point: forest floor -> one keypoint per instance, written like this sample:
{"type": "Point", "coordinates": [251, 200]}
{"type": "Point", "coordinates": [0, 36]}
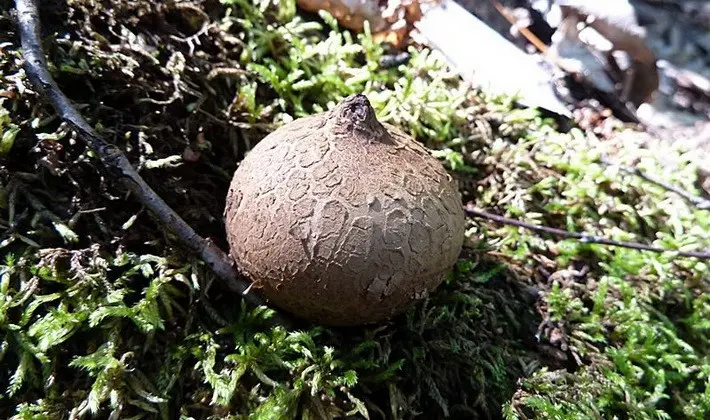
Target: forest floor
{"type": "Point", "coordinates": [103, 314]}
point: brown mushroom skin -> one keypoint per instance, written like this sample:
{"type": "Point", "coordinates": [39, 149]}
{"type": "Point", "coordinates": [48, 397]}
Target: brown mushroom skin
{"type": "Point", "coordinates": [343, 220]}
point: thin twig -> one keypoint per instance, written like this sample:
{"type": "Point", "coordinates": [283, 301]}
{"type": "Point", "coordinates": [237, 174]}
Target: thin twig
{"type": "Point", "coordinates": [115, 161]}
{"type": "Point", "coordinates": [531, 37]}
{"type": "Point", "coordinates": [699, 202]}
{"type": "Point", "coordinates": [471, 210]}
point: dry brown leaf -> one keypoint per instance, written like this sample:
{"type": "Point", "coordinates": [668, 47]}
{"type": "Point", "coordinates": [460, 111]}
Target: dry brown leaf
{"type": "Point", "coordinates": [349, 13]}
{"type": "Point", "coordinates": [390, 20]}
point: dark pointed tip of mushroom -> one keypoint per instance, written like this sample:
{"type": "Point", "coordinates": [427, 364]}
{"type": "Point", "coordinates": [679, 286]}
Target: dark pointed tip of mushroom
{"type": "Point", "coordinates": [356, 106]}
{"type": "Point", "coordinates": [355, 113]}
{"type": "Point", "coordinates": [356, 98]}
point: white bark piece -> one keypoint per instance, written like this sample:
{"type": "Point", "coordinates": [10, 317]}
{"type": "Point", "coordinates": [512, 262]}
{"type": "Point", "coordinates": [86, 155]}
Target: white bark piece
{"type": "Point", "coordinates": [486, 59]}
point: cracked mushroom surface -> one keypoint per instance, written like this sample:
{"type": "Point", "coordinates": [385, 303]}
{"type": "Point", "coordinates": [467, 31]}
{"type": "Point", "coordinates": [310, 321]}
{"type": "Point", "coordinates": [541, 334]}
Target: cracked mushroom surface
{"type": "Point", "coordinates": [341, 219]}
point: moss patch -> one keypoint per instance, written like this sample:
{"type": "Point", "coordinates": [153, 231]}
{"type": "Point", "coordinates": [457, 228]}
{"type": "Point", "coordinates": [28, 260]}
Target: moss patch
{"type": "Point", "coordinates": [101, 313]}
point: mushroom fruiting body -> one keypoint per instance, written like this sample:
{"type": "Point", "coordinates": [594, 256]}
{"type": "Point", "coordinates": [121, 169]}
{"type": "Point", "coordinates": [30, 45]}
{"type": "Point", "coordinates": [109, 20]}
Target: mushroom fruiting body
{"type": "Point", "coordinates": [341, 219]}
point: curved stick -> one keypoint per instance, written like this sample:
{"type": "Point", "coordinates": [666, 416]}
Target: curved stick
{"type": "Point", "coordinates": [471, 210]}
{"type": "Point", "coordinates": [114, 160]}
{"type": "Point", "coordinates": [699, 202]}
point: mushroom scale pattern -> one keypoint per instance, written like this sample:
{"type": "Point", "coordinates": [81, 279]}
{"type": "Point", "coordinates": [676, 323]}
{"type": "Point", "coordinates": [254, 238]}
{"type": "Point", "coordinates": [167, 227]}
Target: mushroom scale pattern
{"type": "Point", "coordinates": [341, 219]}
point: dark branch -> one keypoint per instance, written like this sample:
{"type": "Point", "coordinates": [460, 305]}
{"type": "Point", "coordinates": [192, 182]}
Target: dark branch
{"type": "Point", "coordinates": [471, 210]}
{"type": "Point", "coordinates": [114, 160]}
{"type": "Point", "coordinates": [698, 202]}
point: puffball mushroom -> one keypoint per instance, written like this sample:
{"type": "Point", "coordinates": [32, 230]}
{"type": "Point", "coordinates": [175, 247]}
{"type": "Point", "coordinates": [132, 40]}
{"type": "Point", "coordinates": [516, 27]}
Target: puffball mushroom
{"type": "Point", "coordinates": [341, 219]}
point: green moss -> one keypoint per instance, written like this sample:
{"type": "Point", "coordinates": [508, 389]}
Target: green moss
{"type": "Point", "coordinates": [119, 322]}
